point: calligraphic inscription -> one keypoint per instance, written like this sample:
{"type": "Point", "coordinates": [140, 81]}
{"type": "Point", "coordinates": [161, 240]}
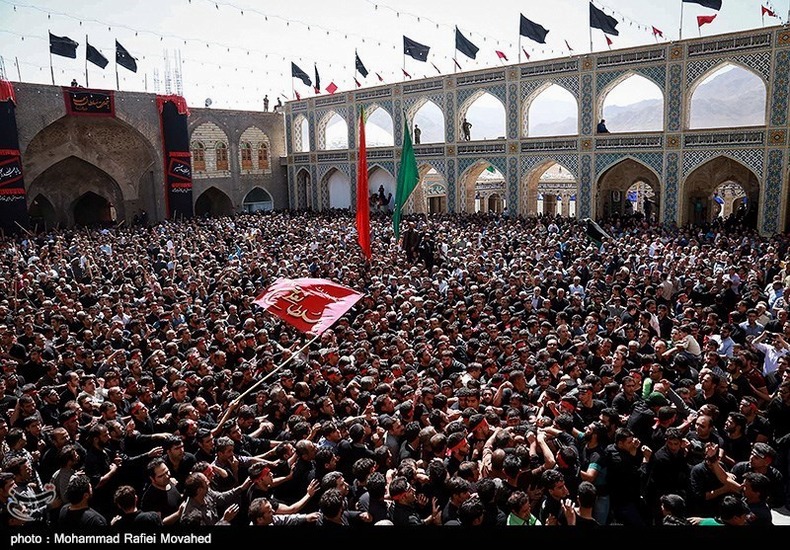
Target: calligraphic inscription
{"type": "Point", "coordinates": [309, 305]}
{"type": "Point", "coordinates": [180, 169]}
{"type": "Point", "coordinates": [11, 174]}
{"type": "Point", "coordinates": [80, 101]}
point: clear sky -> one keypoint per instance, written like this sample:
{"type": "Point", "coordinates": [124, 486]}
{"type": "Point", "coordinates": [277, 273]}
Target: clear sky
{"type": "Point", "coordinates": [237, 51]}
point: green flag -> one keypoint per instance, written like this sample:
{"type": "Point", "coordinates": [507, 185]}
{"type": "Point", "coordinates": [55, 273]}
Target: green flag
{"type": "Point", "coordinates": [407, 177]}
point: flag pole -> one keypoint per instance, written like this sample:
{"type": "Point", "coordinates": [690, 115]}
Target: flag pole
{"type": "Point", "coordinates": [117, 80]}
{"type": "Point", "coordinates": [51, 69]}
{"type": "Point", "coordinates": [519, 47]}
{"type": "Point", "coordinates": [87, 85]}
{"type": "Point", "coordinates": [680, 30]}
{"type": "Point", "coordinates": [18, 72]}
{"type": "Point", "coordinates": [278, 367]}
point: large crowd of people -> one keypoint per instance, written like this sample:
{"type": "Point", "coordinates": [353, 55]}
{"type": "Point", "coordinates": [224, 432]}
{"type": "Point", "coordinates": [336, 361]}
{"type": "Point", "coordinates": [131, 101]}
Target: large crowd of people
{"type": "Point", "coordinates": [498, 371]}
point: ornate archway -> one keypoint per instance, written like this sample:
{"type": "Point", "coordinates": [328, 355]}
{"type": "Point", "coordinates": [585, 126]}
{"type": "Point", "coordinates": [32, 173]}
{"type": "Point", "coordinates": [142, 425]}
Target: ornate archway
{"type": "Point", "coordinates": [213, 202]}
{"type": "Point", "coordinates": [611, 195]}
{"type": "Point", "coordinates": [696, 203]}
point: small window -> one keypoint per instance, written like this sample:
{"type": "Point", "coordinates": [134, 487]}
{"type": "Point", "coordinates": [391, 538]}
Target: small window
{"type": "Point", "coordinates": [198, 157]}
{"type": "Point", "coordinates": [222, 156]}
{"type": "Point", "coordinates": [246, 156]}
{"type": "Point", "coordinates": [263, 157]}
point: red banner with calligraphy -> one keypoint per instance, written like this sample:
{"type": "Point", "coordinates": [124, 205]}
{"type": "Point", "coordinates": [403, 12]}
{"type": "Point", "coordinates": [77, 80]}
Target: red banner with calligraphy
{"type": "Point", "coordinates": [309, 305]}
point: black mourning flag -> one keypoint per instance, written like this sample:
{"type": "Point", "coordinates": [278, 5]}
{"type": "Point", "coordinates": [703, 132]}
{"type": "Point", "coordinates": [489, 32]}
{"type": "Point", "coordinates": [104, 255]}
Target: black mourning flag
{"type": "Point", "coordinates": [712, 4]}
{"type": "Point", "coordinates": [599, 20]}
{"type": "Point", "coordinates": [532, 30]}
{"type": "Point", "coordinates": [296, 72]}
{"type": "Point", "coordinates": [360, 67]}
{"type": "Point", "coordinates": [62, 45]}
{"type": "Point", "coordinates": [124, 58]}
{"type": "Point", "coordinates": [464, 45]}
{"type": "Point", "coordinates": [317, 86]}
{"type": "Point", "coordinates": [594, 232]}
{"type": "Point", "coordinates": [415, 49]}
{"type": "Point", "coordinates": [95, 56]}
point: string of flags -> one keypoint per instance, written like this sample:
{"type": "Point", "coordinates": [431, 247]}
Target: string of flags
{"type": "Point", "coordinates": [600, 18]}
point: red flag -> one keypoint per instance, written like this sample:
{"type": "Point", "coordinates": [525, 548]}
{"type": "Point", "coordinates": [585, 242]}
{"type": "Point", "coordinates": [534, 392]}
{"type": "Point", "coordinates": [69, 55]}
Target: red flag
{"type": "Point", "coordinates": [379, 76]}
{"type": "Point", "coordinates": [363, 198]}
{"type": "Point", "coordinates": [568, 45]}
{"type": "Point", "coordinates": [657, 32]}
{"type": "Point", "coordinates": [332, 88]}
{"type": "Point", "coordinates": [407, 75]}
{"type": "Point", "coordinates": [500, 55]}
{"type": "Point", "coordinates": [297, 95]}
{"type": "Point", "coordinates": [705, 19]}
{"type": "Point", "coordinates": [525, 53]}
{"type": "Point", "coordinates": [608, 40]}
{"type": "Point", "coordinates": [768, 12]}
{"type": "Point", "coordinates": [309, 305]}
{"type": "Point", "coordinates": [357, 82]}
{"type": "Point", "coordinates": [456, 64]}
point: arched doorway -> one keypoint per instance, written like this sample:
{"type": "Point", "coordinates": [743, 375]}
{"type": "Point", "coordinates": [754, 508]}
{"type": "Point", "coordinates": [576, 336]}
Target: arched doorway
{"type": "Point", "coordinates": [92, 210]}
{"type": "Point", "coordinates": [698, 202]}
{"type": "Point", "coordinates": [548, 179]}
{"type": "Point", "coordinates": [67, 182]}
{"type": "Point", "coordinates": [338, 186]}
{"type": "Point", "coordinates": [613, 185]}
{"type": "Point", "coordinates": [42, 214]}
{"type": "Point", "coordinates": [213, 202]}
{"type": "Point", "coordinates": [303, 196]}
{"type": "Point", "coordinates": [258, 200]}
{"type": "Point", "coordinates": [480, 181]}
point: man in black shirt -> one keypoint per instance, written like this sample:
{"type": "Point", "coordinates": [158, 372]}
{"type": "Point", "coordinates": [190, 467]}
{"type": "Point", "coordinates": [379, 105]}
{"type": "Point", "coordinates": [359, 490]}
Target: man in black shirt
{"type": "Point", "coordinates": [161, 495]}
{"type": "Point", "coordinates": [78, 512]}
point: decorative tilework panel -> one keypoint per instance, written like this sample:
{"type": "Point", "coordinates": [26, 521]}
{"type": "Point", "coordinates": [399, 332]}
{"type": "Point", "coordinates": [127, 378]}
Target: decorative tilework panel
{"type": "Point", "coordinates": [314, 189]}
{"type": "Point", "coordinates": [771, 200]}
{"type": "Point", "coordinates": [607, 160]}
{"type": "Point", "coordinates": [311, 123]}
{"type": "Point", "coordinates": [587, 105]}
{"type": "Point", "coordinates": [291, 188]}
{"type": "Point", "coordinates": [675, 98]}
{"type": "Point", "coordinates": [497, 162]}
{"type": "Point", "coordinates": [570, 162]}
{"type": "Point", "coordinates": [450, 177]}
{"type": "Point", "coordinates": [779, 88]}
{"type": "Point", "coordinates": [352, 177]}
{"type": "Point", "coordinates": [496, 91]}
{"type": "Point", "coordinates": [449, 120]}
{"type": "Point", "coordinates": [512, 184]}
{"type": "Point", "coordinates": [323, 169]}
{"type": "Point", "coordinates": [410, 101]}
{"type": "Point", "coordinates": [751, 158]}
{"type": "Point", "coordinates": [512, 111]}
{"type": "Point", "coordinates": [397, 123]}
{"type": "Point", "coordinates": [671, 183]}
{"type": "Point", "coordinates": [289, 134]}
{"type": "Point", "coordinates": [387, 165]}
{"type": "Point", "coordinates": [656, 74]}
{"type": "Point", "coordinates": [584, 200]}
{"type": "Point", "coordinates": [570, 83]}
{"type": "Point", "coordinates": [758, 62]}
{"type": "Point", "coordinates": [324, 194]}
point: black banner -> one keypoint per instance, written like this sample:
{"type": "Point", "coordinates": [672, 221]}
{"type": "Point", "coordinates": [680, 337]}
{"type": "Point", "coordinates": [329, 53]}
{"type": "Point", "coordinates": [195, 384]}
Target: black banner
{"type": "Point", "coordinates": [173, 114]}
{"type": "Point", "coordinates": [80, 101]}
{"type": "Point", "coordinates": [13, 206]}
